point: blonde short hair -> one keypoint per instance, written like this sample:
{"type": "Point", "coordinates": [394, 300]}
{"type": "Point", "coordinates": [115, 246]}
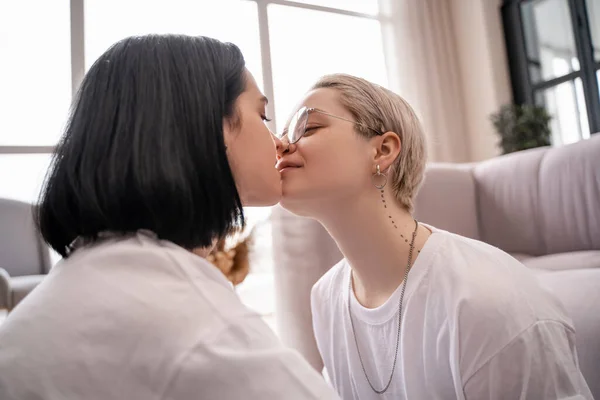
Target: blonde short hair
{"type": "Point", "coordinates": [383, 110]}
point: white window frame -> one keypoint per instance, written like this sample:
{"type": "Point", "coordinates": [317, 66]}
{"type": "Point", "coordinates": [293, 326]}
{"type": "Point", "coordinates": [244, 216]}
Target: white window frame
{"type": "Point", "coordinates": [77, 20]}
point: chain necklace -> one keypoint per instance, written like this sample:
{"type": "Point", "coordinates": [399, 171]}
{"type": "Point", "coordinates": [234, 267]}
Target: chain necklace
{"type": "Point", "coordinates": [410, 253]}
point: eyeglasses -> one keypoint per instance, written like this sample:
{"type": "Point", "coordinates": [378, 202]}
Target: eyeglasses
{"type": "Point", "coordinates": [297, 127]}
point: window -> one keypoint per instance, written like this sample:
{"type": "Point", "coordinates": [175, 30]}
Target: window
{"type": "Point", "coordinates": [360, 6]}
{"type": "Point", "coordinates": [108, 21]}
{"type": "Point", "coordinates": [22, 175]}
{"type": "Point", "coordinates": [593, 11]}
{"type": "Point", "coordinates": [334, 43]}
{"type": "Point", "coordinates": [35, 72]}
{"type": "Point", "coordinates": [287, 47]}
{"type": "Point", "coordinates": [554, 55]}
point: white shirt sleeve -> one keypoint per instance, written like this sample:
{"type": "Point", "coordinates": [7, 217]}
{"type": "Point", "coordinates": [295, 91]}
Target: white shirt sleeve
{"type": "Point", "coordinates": [318, 331]}
{"type": "Point", "coordinates": [540, 363]}
{"type": "Point", "coordinates": [246, 361]}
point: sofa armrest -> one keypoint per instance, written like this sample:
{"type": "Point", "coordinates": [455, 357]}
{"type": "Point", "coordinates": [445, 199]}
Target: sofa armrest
{"type": "Point", "coordinates": [447, 199]}
{"type": "Point", "coordinates": [21, 286]}
{"type": "Point", "coordinates": [4, 289]}
{"type": "Point", "coordinates": [302, 252]}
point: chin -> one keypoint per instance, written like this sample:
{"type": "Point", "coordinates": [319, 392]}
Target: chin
{"type": "Point", "coordinates": [264, 198]}
{"type": "Point", "coordinates": [266, 201]}
{"type": "Point", "coordinates": [312, 201]}
{"type": "Point", "coordinates": [297, 206]}
{"type": "Point", "coordinates": [295, 209]}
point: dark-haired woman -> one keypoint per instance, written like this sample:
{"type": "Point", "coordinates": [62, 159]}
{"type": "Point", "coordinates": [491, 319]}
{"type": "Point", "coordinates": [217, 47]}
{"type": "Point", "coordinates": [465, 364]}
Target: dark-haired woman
{"type": "Point", "coordinates": [165, 145]}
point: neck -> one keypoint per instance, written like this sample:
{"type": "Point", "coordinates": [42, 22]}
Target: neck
{"type": "Point", "coordinates": [378, 251]}
{"type": "Point", "coordinates": [204, 251]}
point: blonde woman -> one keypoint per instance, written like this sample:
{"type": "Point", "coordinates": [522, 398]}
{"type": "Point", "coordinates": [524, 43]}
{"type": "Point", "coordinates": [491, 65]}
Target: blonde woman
{"type": "Point", "coordinates": [411, 312]}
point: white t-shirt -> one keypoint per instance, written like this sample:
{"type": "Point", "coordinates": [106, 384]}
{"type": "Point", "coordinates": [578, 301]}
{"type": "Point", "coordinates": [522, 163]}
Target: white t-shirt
{"type": "Point", "coordinates": [142, 319]}
{"type": "Point", "coordinates": [475, 325]}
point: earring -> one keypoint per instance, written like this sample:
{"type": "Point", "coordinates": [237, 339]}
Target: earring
{"type": "Point", "coordinates": [377, 176]}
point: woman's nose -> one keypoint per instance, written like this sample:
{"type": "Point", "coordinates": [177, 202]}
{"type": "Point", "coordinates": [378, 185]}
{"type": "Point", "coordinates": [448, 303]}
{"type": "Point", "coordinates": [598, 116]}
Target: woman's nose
{"type": "Point", "coordinates": [282, 146]}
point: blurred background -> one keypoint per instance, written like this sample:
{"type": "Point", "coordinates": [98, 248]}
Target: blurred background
{"type": "Point", "coordinates": [457, 61]}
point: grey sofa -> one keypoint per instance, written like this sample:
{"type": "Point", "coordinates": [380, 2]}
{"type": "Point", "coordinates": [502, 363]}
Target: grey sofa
{"type": "Point", "coordinates": [24, 257]}
{"type": "Point", "coordinates": [540, 205]}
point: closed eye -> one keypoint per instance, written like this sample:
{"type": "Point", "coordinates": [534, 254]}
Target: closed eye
{"type": "Point", "coordinates": [310, 129]}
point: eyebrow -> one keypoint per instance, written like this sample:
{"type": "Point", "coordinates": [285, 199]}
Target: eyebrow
{"type": "Point", "coordinates": [323, 113]}
{"type": "Point", "coordinates": [320, 112]}
{"type": "Point", "coordinates": [265, 100]}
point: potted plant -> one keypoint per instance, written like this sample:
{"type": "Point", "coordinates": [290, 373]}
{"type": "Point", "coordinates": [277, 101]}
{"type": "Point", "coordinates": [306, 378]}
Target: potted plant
{"type": "Point", "coordinates": [522, 127]}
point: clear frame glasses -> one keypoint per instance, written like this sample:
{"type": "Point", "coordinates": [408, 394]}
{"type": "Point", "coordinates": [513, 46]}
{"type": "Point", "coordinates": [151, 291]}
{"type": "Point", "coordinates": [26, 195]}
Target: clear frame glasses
{"type": "Point", "coordinates": [297, 126]}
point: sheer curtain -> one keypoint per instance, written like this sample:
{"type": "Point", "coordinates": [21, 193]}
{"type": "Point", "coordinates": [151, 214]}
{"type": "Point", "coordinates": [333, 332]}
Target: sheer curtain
{"type": "Point", "coordinates": [423, 66]}
{"type": "Point", "coordinates": [447, 58]}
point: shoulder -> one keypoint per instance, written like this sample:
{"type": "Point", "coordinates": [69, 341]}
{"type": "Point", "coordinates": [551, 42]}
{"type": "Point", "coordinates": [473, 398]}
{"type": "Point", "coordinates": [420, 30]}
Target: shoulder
{"type": "Point", "coordinates": [484, 280]}
{"type": "Point", "coordinates": [463, 249]}
{"type": "Point", "coordinates": [544, 349]}
{"type": "Point", "coordinates": [129, 255]}
{"type": "Point", "coordinates": [245, 351]}
{"type": "Point", "coordinates": [475, 269]}
{"type": "Point", "coordinates": [327, 293]}
{"type": "Point", "coordinates": [489, 296]}
{"type": "Point", "coordinates": [331, 283]}
{"type": "Point", "coordinates": [142, 265]}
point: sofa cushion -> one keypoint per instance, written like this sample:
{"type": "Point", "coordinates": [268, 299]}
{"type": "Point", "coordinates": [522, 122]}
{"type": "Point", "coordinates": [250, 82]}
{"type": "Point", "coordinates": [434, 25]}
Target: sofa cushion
{"type": "Point", "coordinates": [565, 261]}
{"type": "Point", "coordinates": [509, 202]}
{"type": "Point", "coordinates": [569, 188]}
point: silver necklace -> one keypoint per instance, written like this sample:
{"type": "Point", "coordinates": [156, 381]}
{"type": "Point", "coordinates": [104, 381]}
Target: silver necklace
{"type": "Point", "coordinates": [410, 252]}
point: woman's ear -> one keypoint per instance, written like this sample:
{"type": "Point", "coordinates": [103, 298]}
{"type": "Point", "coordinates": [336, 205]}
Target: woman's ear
{"type": "Point", "coordinates": [387, 149]}
{"type": "Point", "coordinates": [227, 131]}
